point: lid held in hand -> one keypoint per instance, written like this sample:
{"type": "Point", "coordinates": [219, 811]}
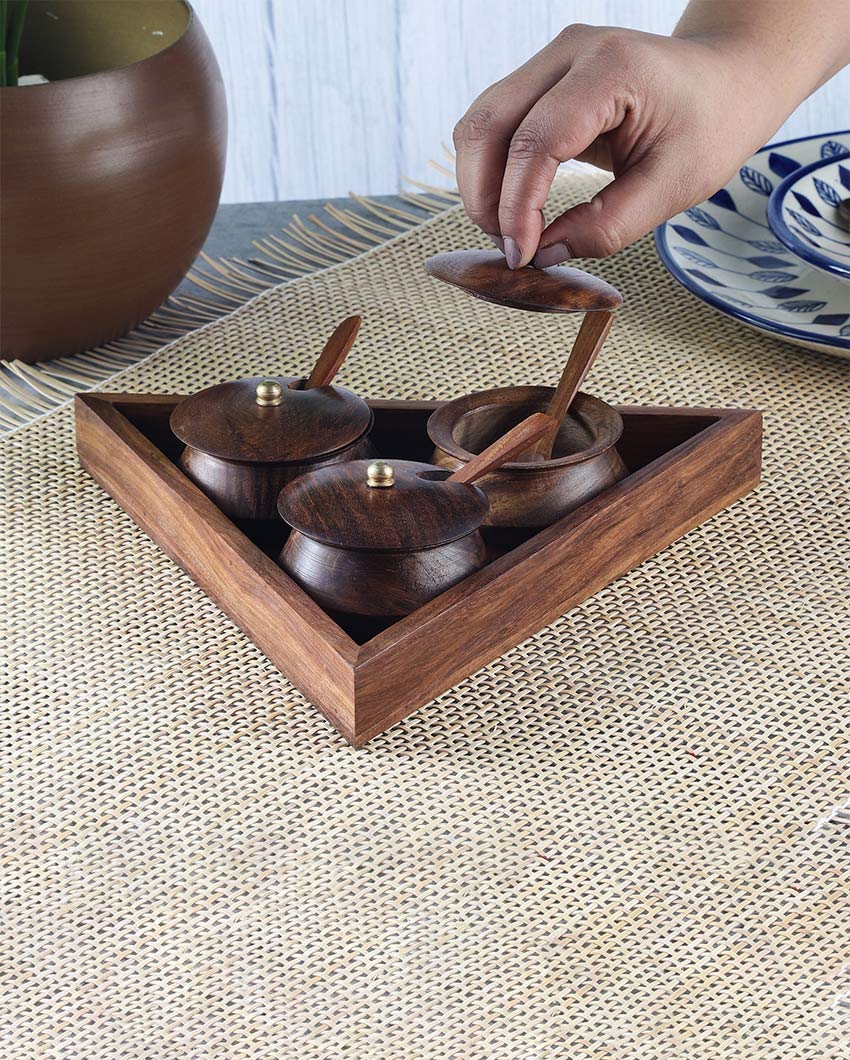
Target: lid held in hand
{"type": "Point", "coordinates": [559, 289]}
{"type": "Point", "coordinates": [382, 506]}
{"type": "Point", "coordinates": [269, 420]}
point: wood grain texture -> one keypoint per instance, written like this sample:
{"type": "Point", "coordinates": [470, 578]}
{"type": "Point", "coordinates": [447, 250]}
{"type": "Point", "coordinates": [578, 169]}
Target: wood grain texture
{"type": "Point", "coordinates": [379, 584]}
{"type": "Point", "coordinates": [325, 98]}
{"type": "Point", "coordinates": [278, 617]}
{"type": "Point", "coordinates": [686, 464]}
{"type": "Point", "coordinates": [591, 335]}
{"type": "Point", "coordinates": [335, 506]}
{"type": "Point", "coordinates": [511, 445]}
{"type": "Point", "coordinates": [530, 492]}
{"type": "Point", "coordinates": [332, 356]}
{"type": "Point", "coordinates": [250, 491]}
{"type": "Point", "coordinates": [242, 454]}
{"type": "Point", "coordinates": [559, 289]}
{"type": "Point", "coordinates": [225, 421]}
{"type": "Point", "coordinates": [529, 587]}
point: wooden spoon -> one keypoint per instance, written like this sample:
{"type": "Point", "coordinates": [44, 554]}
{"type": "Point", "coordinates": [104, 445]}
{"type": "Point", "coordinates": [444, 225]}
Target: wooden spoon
{"type": "Point", "coordinates": [591, 335]}
{"type": "Point", "coordinates": [517, 440]}
{"type": "Point", "coordinates": [336, 350]}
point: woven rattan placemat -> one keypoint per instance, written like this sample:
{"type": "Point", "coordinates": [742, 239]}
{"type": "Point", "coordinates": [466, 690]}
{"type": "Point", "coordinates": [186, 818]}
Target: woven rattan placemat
{"type": "Point", "coordinates": [622, 839]}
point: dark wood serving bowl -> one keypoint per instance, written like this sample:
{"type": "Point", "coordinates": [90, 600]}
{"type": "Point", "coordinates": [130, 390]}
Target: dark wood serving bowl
{"type": "Point", "coordinates": [380, 585]}
{"type": "Point", "coordinates": [242, 453]}
{"type": "Point", "coordinates": [362, 549]}
{"type": "Point", "coordinates": [109, 175]}
{"type": "Point", "coordinates": [244, 490]}
{"type": "Point", "coordinates": [529, 495]}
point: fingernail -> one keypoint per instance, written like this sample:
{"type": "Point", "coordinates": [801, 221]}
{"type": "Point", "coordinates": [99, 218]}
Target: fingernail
{"type": "Point", "coordinates": [500, 243]}
{"type": "Point", "coordinates": [512, 253]}
{"type": "Point", "coordinates": [552, 255]}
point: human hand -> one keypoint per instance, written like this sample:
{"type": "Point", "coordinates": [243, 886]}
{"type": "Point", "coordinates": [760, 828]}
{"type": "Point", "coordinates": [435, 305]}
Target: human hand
{"type": "Point", "coordinates": [672, 117]}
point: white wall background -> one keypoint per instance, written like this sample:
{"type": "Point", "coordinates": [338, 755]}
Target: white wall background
{"type": "Point", "coordinates": [328, 96]}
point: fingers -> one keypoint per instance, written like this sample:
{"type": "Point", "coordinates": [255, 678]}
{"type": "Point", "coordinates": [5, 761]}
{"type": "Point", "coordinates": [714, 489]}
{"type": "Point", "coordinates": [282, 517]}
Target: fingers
{"type": "Point", "coordinates": [586, 83]}
{"type": "Point", "coordinates": [481, 141]}
{"type": "Point", "coordinates": [622, 212]}
{"type": "Point", "coordinates": [483, 135]}
{"type": "Point", "coordinates": [554, 130]}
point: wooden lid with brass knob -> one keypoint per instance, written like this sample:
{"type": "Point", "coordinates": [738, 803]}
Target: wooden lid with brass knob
{"type": "Point", "coordinates": [270, 420]}
{"type": "Point", "coordinates": [376, 506]}
{"type": "Point", "coordinates": [278, 419]}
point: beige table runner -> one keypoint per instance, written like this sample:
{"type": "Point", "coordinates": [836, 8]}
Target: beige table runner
{"type": "Point", "coordinates": [622, 839]}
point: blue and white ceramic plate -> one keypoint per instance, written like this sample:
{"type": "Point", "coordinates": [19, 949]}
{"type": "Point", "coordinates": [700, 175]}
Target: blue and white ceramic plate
{"type": "Point", "coordinates": [724, 252]}
{"type": "Point", "coordinates": [803, 213]}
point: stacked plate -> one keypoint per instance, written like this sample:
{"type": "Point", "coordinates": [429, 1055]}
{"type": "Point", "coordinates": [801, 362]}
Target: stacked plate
{"type": "Point", "coordinates": [772, 248]}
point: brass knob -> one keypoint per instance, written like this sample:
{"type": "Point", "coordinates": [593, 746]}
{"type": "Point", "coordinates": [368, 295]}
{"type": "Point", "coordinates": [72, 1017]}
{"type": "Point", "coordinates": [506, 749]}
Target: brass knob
{"type": "Point", "coordinates": [269, 392]}
{"type": "Point", "coordinates": [379, 474]}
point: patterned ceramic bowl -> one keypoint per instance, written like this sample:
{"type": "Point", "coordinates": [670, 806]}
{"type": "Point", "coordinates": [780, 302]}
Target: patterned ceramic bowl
{"type": "Point", "coordinates": [724, 252]}
{"type": "Point", "coordinates": [803, 213]}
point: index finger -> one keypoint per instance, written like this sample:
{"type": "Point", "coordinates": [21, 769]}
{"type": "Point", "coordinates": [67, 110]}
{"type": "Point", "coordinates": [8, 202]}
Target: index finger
{"type": "Point", "coordinates": [483, 135]}
{"type": "Point", "coordinates": [560, 126]}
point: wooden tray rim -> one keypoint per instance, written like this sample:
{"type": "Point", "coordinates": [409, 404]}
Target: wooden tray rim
{"type": "Point", "coordinates": [389, 638]}
{"type": "Point", "coordinates": [350, 669]}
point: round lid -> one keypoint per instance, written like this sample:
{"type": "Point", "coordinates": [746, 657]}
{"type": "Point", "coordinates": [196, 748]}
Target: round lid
{"type": "Point", "coordinates": [558, 289]}
{"type": "Point", "coordinates": [266, 420]}
{"type": "Point", "coordinates": [377, 506]}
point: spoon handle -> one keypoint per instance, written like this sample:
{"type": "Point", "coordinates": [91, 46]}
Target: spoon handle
{"type": "Point", "coordinates": [335, 351]}
{"type": "Point", "coordinates": [591, 335]}
{"type": "Point", "coordinates": [516, 440]}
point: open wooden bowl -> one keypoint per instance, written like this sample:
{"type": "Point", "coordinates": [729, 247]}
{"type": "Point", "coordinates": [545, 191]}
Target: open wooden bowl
{"type": "Point", "coordinates": [531, 495]}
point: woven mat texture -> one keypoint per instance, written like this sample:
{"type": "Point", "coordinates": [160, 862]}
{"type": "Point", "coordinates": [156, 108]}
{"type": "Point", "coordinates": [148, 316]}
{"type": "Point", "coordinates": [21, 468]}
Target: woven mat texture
{"type": "Point", "coordinates": [622, 839]}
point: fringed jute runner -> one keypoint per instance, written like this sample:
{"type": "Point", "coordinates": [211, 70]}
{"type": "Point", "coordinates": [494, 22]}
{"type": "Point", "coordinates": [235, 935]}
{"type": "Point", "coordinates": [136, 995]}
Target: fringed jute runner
{"type": "Point", "coordinates": [216, 287]}
{"type": "Point", "coordinates": [625, 838]}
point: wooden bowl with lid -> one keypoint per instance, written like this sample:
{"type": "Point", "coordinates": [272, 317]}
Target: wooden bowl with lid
{"type": "Point", "coordinates": [577, 457]}
{"type": "Point", "coordinates": [380, 539]}
{"type": "Point", "coordinates": [246, 439]}
{"type": "Point", "coordinates": [530, 494]}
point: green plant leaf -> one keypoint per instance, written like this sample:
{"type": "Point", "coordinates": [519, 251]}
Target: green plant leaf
{"type": "Point", "coordinates": [15, 30]}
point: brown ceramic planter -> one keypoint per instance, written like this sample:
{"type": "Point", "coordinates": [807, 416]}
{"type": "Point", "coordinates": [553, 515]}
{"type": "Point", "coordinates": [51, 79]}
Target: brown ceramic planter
{"type": "Point", "coordinates": [529, 496]}
{"type": "Point", "coordinates": [110, 175]}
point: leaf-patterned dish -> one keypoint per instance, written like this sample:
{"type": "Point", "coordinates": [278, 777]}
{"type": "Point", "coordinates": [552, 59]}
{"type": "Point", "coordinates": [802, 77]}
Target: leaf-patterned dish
{"type": "Point", "coordinates": [803, 213]}
{"type": "Point", "coordinates": [725, 253]}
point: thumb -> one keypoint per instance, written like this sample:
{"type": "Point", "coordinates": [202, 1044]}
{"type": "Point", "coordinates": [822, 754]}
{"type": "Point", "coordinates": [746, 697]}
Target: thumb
{"type": "Point", "coordinates": [620, 213]}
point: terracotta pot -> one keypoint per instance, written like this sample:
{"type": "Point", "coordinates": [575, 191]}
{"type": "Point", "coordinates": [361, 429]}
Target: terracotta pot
{"type": "Point", "coordinates": [529, 496]}
{"type": "Point", "coordinates": [110, 174]}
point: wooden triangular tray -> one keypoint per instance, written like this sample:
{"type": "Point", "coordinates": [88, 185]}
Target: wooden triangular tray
{"type": "Point", "coordinates": [684, 466]}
